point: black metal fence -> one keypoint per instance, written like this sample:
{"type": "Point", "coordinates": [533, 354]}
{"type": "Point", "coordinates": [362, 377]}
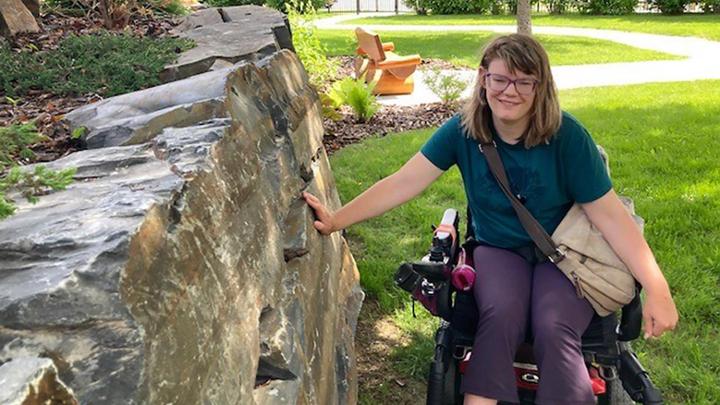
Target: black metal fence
{"type": "Point", "coordinates": [369, 6]}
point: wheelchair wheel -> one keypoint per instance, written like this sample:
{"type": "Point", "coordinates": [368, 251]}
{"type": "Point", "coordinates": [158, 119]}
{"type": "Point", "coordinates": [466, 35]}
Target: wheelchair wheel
{"type": "Point", "coordinates": [615, 394]}
{"type": "Point", "coordinates": [444, 388]}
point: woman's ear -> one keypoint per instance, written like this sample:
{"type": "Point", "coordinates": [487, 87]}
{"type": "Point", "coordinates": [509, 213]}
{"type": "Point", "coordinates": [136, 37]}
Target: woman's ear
{"type": "Point", "coordinates": [481, 75]}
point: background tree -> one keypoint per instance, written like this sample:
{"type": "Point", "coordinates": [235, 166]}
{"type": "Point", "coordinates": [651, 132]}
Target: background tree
{"type": "Point", "coordinates": [524, 25]}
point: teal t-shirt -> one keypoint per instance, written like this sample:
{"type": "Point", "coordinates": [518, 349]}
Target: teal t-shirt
{"type": "Point", "coordinates": [549, 178]}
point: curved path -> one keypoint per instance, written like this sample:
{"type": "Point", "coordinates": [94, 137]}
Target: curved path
{"type": "Point", "coordinates": [703, 57]}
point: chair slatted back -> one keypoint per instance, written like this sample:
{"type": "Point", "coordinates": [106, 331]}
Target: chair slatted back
{"type": "Point", "coordinates": [369, 42]}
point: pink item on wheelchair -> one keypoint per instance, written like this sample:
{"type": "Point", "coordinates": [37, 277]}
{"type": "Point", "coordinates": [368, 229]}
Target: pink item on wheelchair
{"type": "Point", "coordinates": [463, 275]}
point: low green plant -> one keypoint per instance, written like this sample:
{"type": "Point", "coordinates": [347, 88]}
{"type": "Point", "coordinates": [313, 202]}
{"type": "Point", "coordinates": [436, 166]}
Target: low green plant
{"type": "Point", "coordinates": [446, 85]}
{"type": "Point", "coordinates": [31, 184]}
{"type": "Point", "coordinates": [309, 49]}
{"type": "Point", "coordinates": [92, 7]}
{"type": "Point", "coordinates": [356, 94]}
{"type": "Point", "coordinates": [106, 63]}
{"type": "Point", "coordinates": [173, 7]}
{"type": "Point", "coordinates": [15, 142]}
{"type": "Point", "coordinates": [329, 107]}
{"type": "Point", "coordinates": [230, 3]}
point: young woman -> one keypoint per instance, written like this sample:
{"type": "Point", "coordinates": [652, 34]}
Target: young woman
{"type": "Point", "coordinates": [551, 162]}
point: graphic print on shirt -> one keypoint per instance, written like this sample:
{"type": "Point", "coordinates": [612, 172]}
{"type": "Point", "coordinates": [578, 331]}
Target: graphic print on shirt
{"type": "Point", "coordinates": [523, 182]}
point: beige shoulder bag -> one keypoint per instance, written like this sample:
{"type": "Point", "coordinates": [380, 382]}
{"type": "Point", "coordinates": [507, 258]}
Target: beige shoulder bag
{"type": "Point", "coordinates": [576, 247]}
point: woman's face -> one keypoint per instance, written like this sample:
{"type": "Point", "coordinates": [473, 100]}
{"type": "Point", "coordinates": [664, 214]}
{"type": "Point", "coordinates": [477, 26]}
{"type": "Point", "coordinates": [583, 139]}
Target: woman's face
{"type": "Point", "coordinates": [508, 105]}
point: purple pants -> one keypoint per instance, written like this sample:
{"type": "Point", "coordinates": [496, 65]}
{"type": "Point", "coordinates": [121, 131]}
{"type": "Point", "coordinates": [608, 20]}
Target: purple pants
{"type": "Point", "coordinates": [512, 295]}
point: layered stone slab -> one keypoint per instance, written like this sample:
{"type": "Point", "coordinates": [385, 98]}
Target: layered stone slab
{"type": "Point", "coordinates": [182, 266]}
{"type": "Point", "coordinates": [226, 36]}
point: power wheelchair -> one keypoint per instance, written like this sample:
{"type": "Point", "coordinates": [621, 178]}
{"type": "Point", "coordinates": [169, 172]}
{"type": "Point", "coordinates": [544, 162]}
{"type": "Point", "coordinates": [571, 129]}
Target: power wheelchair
{"type": "Point", "coordinates": [615, 372]}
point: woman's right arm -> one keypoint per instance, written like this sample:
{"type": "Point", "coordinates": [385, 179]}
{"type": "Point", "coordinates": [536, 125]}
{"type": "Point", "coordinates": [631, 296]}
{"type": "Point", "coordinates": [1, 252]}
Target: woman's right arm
{"type": "Point", "coordinates": [409, 181]}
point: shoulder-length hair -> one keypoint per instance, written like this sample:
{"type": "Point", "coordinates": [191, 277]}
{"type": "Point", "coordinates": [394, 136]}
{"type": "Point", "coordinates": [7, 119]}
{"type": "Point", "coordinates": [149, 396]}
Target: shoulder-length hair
{"type": "Point", "coordinates": [520, 53]}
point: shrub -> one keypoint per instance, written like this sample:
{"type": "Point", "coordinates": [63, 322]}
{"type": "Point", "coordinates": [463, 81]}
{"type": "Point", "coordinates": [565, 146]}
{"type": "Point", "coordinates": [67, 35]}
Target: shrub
{"type": "Point", "coordinates": [606, 7]}
{"type": "Point", "coordinates": [358, 95]}
{"type": "Point", "coordinates": [107, 64]}
{"type": "Point", "coordinates": [14, 144]}
{"type": "Point", "coordinates": [300, 6]}
{"type": "Point", "coordinates": [447, 86]}
{"type": "Point", "coordinates": [310, 50]}
{"type": "Point", "coordinates": [451, 6]}
{"type": "Point", "coordinates": [711, 6]}
{"type": "Point", "coordinates": [419, 6]}
{"type": "Point", "coordinates": [558, 6]}
{"type": "Point", "coordinates": [669, 6]}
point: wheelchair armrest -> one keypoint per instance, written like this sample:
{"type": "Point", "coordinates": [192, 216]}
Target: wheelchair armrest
{"type": "Point", "coordinates": [631, 320]}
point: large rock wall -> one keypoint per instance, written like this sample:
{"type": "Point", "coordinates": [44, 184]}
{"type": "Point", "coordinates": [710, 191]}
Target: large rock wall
{"type": "Point", "coordinates": [182, 267]}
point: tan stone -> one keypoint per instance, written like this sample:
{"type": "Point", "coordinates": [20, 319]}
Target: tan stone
{"type": "Point", "coordinates": [15, 18]}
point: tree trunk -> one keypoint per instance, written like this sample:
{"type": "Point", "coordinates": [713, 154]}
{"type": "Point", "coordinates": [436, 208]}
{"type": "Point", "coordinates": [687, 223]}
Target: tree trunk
{"type": "Point", "coordinates": [15, 18]}
{"type": "Point", "coordinates": [524, 25]}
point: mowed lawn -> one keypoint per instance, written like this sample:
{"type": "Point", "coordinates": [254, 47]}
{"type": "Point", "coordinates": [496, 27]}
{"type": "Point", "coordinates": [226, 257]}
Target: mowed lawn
{"type": "Point", "coordinates": [662, 140]}
{"type": "Point", "coordinates": [696, 25]}
{"type": "Point", "coordinates": [463, 48]}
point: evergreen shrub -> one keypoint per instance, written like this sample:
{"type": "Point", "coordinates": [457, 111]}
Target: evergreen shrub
{"type": "Point", "coordinates": [107, 64]}
{"type": "Point", "coordinates": [606, 7]}
{"type": "Point", "coordinates": [450, 6]}
{"type": "Point", "coordinates": [670, 6]}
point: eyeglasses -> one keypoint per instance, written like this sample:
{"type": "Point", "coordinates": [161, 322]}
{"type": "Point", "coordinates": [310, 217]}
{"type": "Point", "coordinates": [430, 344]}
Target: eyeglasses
{"type": "Point", "coordinates": [499, 83]}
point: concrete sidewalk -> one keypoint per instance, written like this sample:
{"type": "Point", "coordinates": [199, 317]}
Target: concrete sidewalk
{"type": "Point", "coordinates": [703, 57]}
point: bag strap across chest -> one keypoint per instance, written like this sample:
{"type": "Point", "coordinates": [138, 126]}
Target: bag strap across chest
{"type": "Point", "coordinates": [538, 234]}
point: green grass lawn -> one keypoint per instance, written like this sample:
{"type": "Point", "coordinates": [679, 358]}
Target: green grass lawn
{"type": "Point", "coordinates": [463, 48]}
{"type": "Point", "coordinates": [663, 141]}
{"type": "Point", "coordinates": [697, 25]}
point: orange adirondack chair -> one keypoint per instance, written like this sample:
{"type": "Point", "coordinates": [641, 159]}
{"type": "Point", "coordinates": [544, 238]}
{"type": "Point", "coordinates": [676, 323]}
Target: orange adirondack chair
{"type": "Point", "coordinates": [391, 73]}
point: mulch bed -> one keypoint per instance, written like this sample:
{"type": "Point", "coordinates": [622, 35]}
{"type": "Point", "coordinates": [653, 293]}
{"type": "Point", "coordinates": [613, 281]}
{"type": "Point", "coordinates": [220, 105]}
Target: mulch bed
{"type": "Point", "coordinates": [48, 109]}
{"type": "Point", "coordinates": [388, 119]}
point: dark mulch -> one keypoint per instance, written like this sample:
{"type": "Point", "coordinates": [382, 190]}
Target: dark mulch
{"type": "Point", "coordinates": [388, 119]}
{"type": "Point", "coordinates": [48, 109]}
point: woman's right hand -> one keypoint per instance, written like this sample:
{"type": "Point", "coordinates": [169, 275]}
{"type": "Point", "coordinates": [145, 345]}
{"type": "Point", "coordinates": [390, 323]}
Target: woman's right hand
{"type": "Point", "coordinates": [324, 223]}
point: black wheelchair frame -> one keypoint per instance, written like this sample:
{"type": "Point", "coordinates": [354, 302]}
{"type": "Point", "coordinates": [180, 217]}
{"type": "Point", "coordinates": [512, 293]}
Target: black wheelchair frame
{"type": "Point", "coordinates": [605, 344]}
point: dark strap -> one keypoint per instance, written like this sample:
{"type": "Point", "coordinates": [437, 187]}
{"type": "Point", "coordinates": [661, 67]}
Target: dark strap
{"type": "Point", "coordinates": [538, 234]}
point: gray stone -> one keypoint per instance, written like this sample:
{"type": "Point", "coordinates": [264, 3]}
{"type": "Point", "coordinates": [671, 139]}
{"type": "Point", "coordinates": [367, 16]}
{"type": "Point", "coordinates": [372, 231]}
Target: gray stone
{"type": "Point", "coordinates": [182, 266]}
{"type": "Point", "coordinates": [227, 36]}
{"type": "Point", "coordinates": [138, 117]}
{"type": "Point", "coordinates": [32, 380]}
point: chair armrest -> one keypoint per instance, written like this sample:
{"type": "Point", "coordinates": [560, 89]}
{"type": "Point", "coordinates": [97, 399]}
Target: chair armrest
{"type": "Point", "coordinates": [400, 61]}
{"type": "Point", "coordinates": [388, 46]}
